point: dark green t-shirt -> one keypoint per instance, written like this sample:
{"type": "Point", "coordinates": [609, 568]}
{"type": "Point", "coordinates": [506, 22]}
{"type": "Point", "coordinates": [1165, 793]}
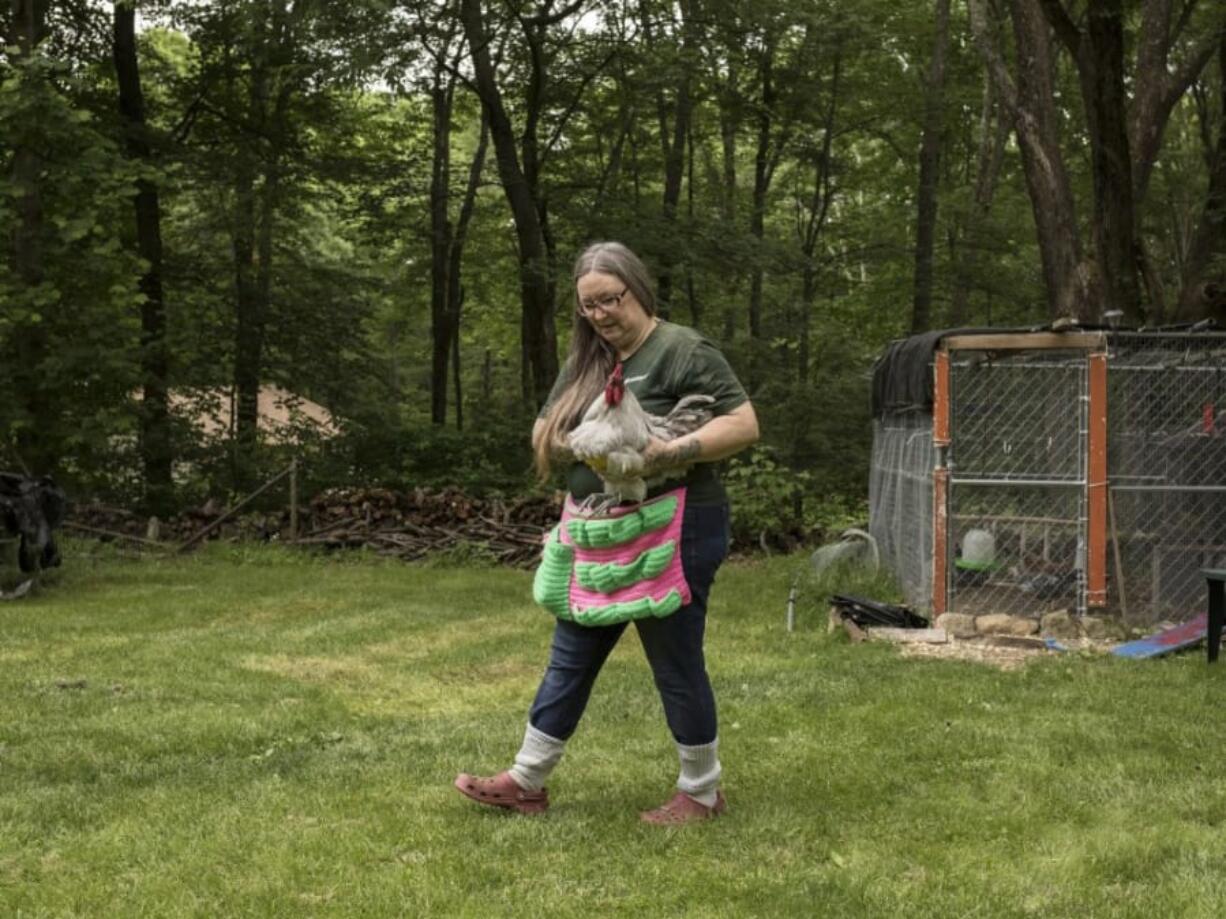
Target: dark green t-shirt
{"type": "Point", "coordinates": [673, 362]}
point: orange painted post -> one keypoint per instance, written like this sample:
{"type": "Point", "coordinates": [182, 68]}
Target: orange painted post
{"type": "Point", "coordinates": [940, 539]}
{"type": "Point", "coordinates": [940, 401]}
{"type": "Point", "coordinates": [940, 484]}
{"type": "Point", "coordinates": [1096, 483]}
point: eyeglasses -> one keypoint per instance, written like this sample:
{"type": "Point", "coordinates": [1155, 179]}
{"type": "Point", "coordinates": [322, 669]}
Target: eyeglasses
{"type": "Point", "coordinates": [607, 302]}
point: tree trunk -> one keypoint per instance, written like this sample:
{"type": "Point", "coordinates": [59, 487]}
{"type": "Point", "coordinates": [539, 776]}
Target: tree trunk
{"type": "Point", "coordinates": [441, 231]}
{"type": "Point", "coordinates": [1099, 54]}
{"type": "Point", "coordinates": [611, 172]}
{"type": "Point", "coordinates": [993, 136]}
{"type": "Point", "coordinates": [1070, 285]}
{"type": "Point", "coordinates": [728, 124]}
{"type": "Point", "coordinates": [1160, 83]}
{"type": "Point", "coordinates": [538, 335]}
{"type": "Point", "coordinates": [1114, 213]}
{"type": "Point", "coordinates": [1203, 292]}
{"type": "Point", "coordinates": [155, 404]}
{"type": "Point", "coordinates": [929, 171]}
{"type": "Point", "coordinates": [29, 28]}
{"type": "Point", "coordinates": [257, 202]}
{"type": "Point", "coordinates": [1124, 149]}
{"type": "Point", "coordinates": [455, 369]}
{"type": "Point", "coordinates": [691, 292]}
{"type": "Point", "coordinates": [818, 211]}
{"type": "Point", "coordinates": [248, 326]}
{"type": "Point", "coordinates": [761, 185]}
{"type": "Point", "coordinates": [455, 290]}
{"type": "Point", "coordinates": [672, 142]}
{"type": "Point", "coordinates": [766, 157]}
{"type": "Point", "coordinates": [729, 127]}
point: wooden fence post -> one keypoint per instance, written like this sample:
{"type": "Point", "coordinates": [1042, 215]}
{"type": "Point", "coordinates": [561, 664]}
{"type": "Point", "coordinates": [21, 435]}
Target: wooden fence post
{"type": "Point", "coordinates": [293, 499]}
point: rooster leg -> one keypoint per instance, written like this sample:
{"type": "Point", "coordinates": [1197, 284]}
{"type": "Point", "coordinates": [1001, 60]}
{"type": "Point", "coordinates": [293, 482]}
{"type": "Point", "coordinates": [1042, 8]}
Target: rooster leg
{"type": "Point", "coordinates": [599, 504]}
{"type": "Point", "coordinates": [594, 505]}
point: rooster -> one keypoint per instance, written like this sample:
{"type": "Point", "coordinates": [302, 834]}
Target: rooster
{"type": "Point", "coordinates": [614, 432]}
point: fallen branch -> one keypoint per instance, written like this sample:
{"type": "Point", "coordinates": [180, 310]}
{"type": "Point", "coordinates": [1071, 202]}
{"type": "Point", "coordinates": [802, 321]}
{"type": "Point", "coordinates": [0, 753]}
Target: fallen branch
{"type": "Point", "coordinates": [115, 534]}
{"type": "Point", "coordinates": [234, 510]}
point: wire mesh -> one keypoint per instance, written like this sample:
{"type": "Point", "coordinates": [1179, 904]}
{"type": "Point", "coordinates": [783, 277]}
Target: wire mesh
{"type": "Point", "coordinates": [1035, 548]}
{"type": "Point", "coordinates": [1017, 463]}
{"type": "Point", "coordinates": [900, 500]}
{"type": "Point", "coordinates": [1167, 472]}
{"type": "Point", "coordinates": [1018, 534]}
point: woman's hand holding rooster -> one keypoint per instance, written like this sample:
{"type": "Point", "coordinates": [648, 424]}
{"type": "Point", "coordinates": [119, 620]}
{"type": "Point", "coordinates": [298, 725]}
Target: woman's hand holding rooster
{"type": "Point", "coordinates": [661, 456]}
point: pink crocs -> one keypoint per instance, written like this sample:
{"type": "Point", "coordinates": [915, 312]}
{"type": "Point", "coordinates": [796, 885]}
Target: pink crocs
{"type": "Point", "coordinates": [502, 791]}
{"type": "Point", "coordinates": [681, 808]}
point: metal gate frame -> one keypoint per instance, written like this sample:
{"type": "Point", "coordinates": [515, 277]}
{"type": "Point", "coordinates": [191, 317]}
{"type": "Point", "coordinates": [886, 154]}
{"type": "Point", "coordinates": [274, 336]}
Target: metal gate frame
{"type": "Point", "coordinates": [1092, 478]}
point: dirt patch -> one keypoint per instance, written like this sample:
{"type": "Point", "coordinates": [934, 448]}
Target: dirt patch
{"type": "Point", "coordinates": [995, 653]}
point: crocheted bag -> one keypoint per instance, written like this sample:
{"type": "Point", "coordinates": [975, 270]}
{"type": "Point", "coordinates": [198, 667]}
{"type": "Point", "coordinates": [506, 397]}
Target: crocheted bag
{"type": "Point", "coordinates": [623, 566]}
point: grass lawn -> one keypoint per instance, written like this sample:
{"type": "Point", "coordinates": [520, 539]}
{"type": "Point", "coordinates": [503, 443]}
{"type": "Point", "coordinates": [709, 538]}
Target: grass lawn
{"type": "Point", "coordinates": [254, 732]}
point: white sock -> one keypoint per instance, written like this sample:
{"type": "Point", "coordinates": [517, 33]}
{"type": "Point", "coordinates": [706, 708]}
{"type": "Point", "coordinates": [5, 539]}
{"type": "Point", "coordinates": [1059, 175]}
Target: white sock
{"type": "Point", "coordinates": [536, 759]}
{"type": "Point", "coordinates": [700, 771]}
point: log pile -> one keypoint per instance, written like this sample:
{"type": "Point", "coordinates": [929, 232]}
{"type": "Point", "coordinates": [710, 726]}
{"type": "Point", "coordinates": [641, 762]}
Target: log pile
{"type": "Point", "coordinates": [412, 525]}
{"type": "Point", "coordinates": [405, 524]}
{"type": "Point", "coordinates": [109, 523]}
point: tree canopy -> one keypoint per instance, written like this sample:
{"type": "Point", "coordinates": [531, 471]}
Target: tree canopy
{"type": "Point", "coordinates": [375, 205]}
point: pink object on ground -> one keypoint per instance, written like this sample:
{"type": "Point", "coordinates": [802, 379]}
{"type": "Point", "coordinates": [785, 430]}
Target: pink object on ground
{"type": "Point", "coordinates": [502, 791]}
{"type": "Point", "coordinates": [681, 808]}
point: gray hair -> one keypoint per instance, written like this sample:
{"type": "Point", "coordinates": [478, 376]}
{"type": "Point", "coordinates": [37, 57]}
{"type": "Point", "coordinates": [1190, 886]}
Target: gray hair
{"type": "Point", "coordinates": [616, 259]}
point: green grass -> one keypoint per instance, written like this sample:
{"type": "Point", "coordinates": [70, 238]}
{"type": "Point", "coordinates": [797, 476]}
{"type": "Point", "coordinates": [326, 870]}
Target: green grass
{"type": "Point", "coordinates": [253, 732]}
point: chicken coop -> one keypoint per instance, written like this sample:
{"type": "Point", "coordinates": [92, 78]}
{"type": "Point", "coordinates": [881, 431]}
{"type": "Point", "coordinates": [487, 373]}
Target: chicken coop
{"type": "Point", "coordinates": [1027, 472]}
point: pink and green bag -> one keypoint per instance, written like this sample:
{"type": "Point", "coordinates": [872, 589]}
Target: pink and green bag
{"type": "Point", "coordinates": [622, 566]}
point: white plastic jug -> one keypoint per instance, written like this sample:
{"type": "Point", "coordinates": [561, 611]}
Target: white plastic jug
{"type": "Point", "coordinates": [978, 549]}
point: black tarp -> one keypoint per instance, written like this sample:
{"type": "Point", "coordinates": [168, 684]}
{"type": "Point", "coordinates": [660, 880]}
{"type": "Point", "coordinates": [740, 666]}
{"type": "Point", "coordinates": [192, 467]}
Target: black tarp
{"type": "Point", "coordinates": [902, 376]}
{"type": "Point", "coordinates": [32, 509]}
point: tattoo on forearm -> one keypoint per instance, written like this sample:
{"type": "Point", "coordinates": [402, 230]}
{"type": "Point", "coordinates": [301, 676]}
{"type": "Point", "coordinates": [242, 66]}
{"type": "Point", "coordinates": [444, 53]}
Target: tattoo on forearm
{"type": "Point", "coordinates": [686, 452]}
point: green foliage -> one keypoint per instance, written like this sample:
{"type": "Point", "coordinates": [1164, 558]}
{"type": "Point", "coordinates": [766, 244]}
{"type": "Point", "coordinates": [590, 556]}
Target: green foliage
{"type": "Point", "coordinates": [70, 317]}
{"type": "Point", "coordinates": [764, 492]}
{"type": "Point", "coordinates": [328, 110]}
{"type": "Point", "coordinates": [776, 504]}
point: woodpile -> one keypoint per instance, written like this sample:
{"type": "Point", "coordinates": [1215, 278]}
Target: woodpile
{"type": "Point", "coordinates": [405, 524]}
{"type": "Point", "coordinates": [412, 525]}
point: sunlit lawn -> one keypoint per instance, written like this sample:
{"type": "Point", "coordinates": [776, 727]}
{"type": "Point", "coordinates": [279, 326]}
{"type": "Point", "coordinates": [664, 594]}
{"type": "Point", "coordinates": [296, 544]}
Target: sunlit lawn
{"type": "Point", "coordinates": [253, 732]}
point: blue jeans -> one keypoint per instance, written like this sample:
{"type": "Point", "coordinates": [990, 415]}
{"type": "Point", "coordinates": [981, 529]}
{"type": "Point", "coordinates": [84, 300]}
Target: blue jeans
{"type": "Point", "coordinates": [673, 646]}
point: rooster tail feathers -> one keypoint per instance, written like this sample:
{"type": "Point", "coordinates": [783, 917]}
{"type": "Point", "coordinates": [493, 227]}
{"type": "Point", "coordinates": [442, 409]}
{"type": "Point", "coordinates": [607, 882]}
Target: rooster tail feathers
{"type": "Point", "coordinates": [685, 402]}
{"type": "Point", "coordinates": [689, 414]}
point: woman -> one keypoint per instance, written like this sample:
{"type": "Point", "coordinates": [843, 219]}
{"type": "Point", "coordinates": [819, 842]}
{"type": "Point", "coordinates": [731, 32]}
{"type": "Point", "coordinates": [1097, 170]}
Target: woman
{"type": "Point", "coordinates": [616, 322]}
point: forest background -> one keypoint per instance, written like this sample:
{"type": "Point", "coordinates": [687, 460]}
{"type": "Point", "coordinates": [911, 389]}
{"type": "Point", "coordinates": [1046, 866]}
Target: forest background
{"type": "Point", "coordinates": [375, 205]}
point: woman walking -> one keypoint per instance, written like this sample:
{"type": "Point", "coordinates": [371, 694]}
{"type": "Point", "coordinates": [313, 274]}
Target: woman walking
{"type": "Point", "coordinates": [651, 563]}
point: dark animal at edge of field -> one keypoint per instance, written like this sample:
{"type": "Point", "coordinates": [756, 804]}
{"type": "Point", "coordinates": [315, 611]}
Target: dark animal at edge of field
{"type": "Point", "coordinates": [32, 509]}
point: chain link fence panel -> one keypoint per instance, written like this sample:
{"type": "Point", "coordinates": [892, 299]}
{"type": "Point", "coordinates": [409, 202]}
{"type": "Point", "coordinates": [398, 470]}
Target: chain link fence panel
{"type": "Point", "coordinates": [1018, 465]}
{"type": "Point", "coordinates": [1017, 462]}
{"type": "Point", "coordinates": [1167, 472]}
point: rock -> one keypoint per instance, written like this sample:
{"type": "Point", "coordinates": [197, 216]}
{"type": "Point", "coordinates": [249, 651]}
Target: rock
{"type": "Point", "coordinates": [1026, 642]}
{"type": "Point", "coordinates": [1099, 628]}
{"type": "Point", "coordinates": [1004, 624]}
{"type": "Point", "coordinates": [1059, 624]}
{"type": "Point", "coordinates": [931, 636]}
{"type": "Point", "coordinates": [958, 625]}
